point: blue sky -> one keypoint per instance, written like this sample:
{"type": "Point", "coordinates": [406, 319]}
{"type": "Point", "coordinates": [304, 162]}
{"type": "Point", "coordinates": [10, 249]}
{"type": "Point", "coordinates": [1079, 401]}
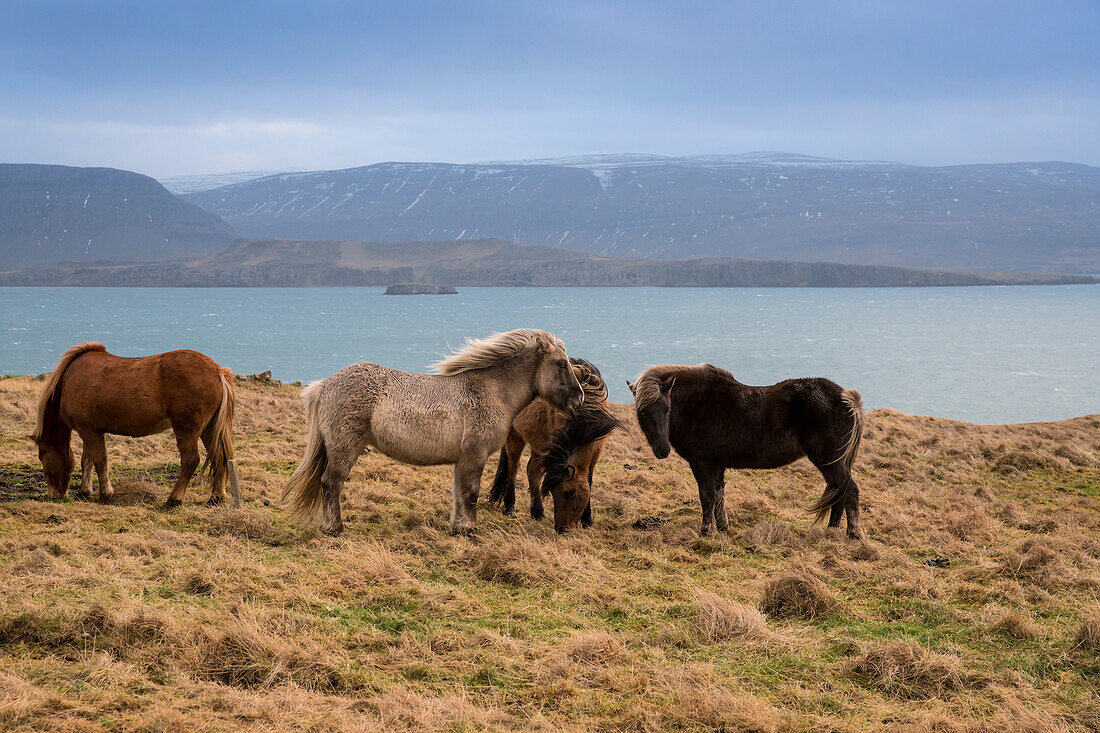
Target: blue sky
{"type": "Point", "coordinates": [170, 88]}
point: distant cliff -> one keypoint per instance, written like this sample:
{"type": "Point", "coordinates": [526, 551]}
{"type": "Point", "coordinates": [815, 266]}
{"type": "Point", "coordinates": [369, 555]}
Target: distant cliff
{"type": "Point", "coordinates": [1014, 216]}
{"type": "Point", "coordinates": [53, 213]}
{"type": "Point", "coordinates": [489, 262]}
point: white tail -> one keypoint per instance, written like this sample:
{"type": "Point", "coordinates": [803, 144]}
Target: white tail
{"type": "Point", "coordinates": [304, 487]}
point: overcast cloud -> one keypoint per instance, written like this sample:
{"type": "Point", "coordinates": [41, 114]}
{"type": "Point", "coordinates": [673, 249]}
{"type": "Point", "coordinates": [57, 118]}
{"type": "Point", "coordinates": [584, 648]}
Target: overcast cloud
{"type": "Point", "coordinates": [179, 88]}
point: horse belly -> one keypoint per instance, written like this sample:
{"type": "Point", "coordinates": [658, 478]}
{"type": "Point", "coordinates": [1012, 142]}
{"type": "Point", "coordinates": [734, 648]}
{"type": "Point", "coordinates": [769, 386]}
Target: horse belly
{"type": "Point", "coordinates": [419, 440]}
{"type": "Point", "coordinates": [115, 413]}
{"type": "Point", "coordinates": [769, 452]}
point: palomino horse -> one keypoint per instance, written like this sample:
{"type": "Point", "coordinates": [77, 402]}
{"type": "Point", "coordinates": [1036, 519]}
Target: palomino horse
{"type": "Point", "coordinates": [715, 423]}
{"type": "Point", "coordinates": [96, 393]}
{"type": "Point", "coordinates": [459, 415]}
{"type": "Point", "coordinates": [565, 447]}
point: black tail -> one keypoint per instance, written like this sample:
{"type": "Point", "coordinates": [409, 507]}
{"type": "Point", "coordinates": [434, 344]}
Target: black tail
{"type": "Point", "coordinates": [500, 481]}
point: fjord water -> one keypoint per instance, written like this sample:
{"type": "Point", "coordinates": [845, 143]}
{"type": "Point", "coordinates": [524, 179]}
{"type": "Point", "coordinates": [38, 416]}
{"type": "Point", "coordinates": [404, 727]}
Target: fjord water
{"type": "Point", "coordinates": [983, 354]}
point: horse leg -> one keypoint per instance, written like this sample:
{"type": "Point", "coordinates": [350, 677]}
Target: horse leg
{"type": "Point", "coordinates": [586, 515]}
{"type": "Point", "coordinates": [188, 445]}
{"type": "Point", "coordinates": [707, 477]}
{"type": "Point", "coordinates": [721, 518]}
{"type": "Point", "coordinates": [534, 486]}
{"type": "Point", "coordinates": [845, 493]}
{"type": "Point", "coordinates": [95, 453]}
{"type": "Point", "coordinates": [514, 447]}
{"type": "Point", "coordinates": [467, 485]}
{"type": "Point", "coordinates": [342, 451]}
{"type": "Point", "coordinates": [851, 509]}
{"type": "Point", "coordinates": [87, 469]}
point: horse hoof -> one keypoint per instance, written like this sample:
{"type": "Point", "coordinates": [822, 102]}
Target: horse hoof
{"type": "Point", "coordinates": [587, 524]}
{"type": "Point", "coordinates": [509, 512]}
{"type": "Point", "coordinates": [537, 514]}
{"type": "Point", "coordinates": [332, 531]}
{"type": "Point", "coordinates": [215, 500]}
{"type": "Point", "coordinates": [104, 498]}
{"type": "Point", "coordinates": [464, 530]}
{"type": "Point", "coordinates": [83, 496]}
{"type": "Point", "coordinates": [172, 503]}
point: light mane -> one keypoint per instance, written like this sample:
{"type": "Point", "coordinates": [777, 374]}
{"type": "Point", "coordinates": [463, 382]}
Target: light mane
{"type": "Point", "coordinates": [52, 383]}
{"type": "Point", "coordinates": [648, 386]}
{"type": "Point", "coordinates": [486, 352]}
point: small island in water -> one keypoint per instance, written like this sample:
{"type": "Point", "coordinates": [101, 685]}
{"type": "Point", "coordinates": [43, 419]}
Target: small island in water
{"type": "Point", "coordinates": [420, 289]}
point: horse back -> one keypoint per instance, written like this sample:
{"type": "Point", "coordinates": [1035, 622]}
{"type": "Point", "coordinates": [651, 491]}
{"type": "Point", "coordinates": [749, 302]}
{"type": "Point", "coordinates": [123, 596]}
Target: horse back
{"type": "Point", "coordinates": [138, 396]}
{"type": "Point", "coordinates": [721, 421]}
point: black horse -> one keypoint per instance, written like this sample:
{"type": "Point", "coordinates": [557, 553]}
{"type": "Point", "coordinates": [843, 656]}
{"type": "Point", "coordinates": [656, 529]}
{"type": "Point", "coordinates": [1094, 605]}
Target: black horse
{"type": "Point", "coordinates": [715, 423]}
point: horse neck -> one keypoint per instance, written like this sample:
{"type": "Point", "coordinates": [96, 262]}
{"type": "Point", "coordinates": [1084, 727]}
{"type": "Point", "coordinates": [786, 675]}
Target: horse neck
{"type": "Point", "coordinates": [513, 380]}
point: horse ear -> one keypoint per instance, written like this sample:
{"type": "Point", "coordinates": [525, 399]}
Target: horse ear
{"type": "Point", "coordinates": [570, 471]}
{"type": "Point", "coordinates": [666, 385]}
{"type": "Point", "coordinates": [633, 388]}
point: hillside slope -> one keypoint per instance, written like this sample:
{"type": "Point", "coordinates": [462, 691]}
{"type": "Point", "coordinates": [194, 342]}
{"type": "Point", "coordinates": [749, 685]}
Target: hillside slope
{"type": "Point", "coordinates": [971, 606]}
{"type": "Point", "coordinates": [1025, 216]}
{"type": "Point", "coordinates": [51, 213]}
{"type": "Point", "coordinates": [489, 262]}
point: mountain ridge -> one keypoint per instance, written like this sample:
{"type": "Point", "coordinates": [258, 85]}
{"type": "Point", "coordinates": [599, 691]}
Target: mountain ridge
{"type": "Point", "coordinates": [53, 213]}
{"type": "Point", "coordinates": [1005, 216]}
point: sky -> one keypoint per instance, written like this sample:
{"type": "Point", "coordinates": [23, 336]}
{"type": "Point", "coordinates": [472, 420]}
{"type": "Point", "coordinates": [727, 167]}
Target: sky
{"type": "Point", "coordinates": [178, 88]}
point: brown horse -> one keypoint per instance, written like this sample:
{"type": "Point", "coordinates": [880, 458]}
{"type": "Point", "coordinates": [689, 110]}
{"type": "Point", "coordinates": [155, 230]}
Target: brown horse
{"type": "Point", "coordinates": [715, 423]}
{"type": "Point", "coordinates": [96, 393]}
{"type": "Point", "coordinates": [565, 447]}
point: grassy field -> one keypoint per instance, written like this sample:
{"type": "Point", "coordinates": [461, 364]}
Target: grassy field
{"type": "Point", "coordinates": [973, 605]}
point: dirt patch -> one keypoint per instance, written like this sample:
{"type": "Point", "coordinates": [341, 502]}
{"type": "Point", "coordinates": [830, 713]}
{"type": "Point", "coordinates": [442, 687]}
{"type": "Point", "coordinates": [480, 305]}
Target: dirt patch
{"type": "Point", "coordinates": [18, 483]}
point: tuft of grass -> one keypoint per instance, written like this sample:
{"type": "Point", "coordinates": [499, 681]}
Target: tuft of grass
{"type": "Point", "coordinates": [721, 620]}
{"type": "Point", "coordinates": [1087, 638]}
{"type": "Point", "coordinates": [908, 670]}
{"type": "Point", "coordinates": [1012, 623]}
{"type": "Point", "coordinates": [797, 594]}
{"type": "Point", "coordinates": [248, 653]}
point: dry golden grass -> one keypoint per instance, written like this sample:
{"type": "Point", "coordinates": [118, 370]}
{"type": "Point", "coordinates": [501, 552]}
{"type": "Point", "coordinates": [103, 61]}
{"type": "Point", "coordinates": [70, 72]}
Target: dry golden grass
{"type": "Point", "coordinates": [972, 605]}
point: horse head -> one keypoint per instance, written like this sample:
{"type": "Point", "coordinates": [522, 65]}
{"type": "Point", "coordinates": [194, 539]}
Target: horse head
{"type": "Point", "coordinates": [555, 379]}
{"type": "Point", "coordinates": [653, 404]}
{"type": "Point", "coordinates": [56, 454]}
{"type": "Point", "coordinates": [569, 458]}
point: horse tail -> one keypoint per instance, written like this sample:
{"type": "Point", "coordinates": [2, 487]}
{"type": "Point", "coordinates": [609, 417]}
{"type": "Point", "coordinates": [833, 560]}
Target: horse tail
{"type": "Point", "coordinates": [853, 400]}
{"type": "Point", "coordinates": [51, 391]}
{"type": "Point", "coordinates": [837, 493]}
{"type": "Point", "coordinates": [220, 451]}
{"type": "Point", "coordinates": [500, 481]}
{"type": "Point", "coordinates": [304, 487]}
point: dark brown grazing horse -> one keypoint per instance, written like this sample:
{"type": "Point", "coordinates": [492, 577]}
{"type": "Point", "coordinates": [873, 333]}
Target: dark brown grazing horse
{"type": "Point", "coordinates": [95, 393]}
{"type": "Point", "coordinates": [565, 447]}
{"type": "Point", "coordinates": [715, 423]}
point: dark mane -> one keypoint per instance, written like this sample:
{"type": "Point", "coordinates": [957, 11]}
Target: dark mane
{"type": "Point", "coordinates": [590, 422]}
{"type": "Point", "coordinates": [647, 387]}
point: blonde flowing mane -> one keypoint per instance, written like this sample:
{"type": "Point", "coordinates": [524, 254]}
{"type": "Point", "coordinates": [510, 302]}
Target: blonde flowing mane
{"type": "Point", "coordinates": [482, 353]}
{"type": "Point", "coordinates": [648, 386]}
{"type": "Point", "coordinates": [55, 379]}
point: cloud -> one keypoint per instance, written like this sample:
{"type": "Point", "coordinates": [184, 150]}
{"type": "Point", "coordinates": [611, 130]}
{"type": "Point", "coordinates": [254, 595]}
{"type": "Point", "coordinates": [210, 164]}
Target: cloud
{"type": "Point", "coordinates": [204, 87]}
